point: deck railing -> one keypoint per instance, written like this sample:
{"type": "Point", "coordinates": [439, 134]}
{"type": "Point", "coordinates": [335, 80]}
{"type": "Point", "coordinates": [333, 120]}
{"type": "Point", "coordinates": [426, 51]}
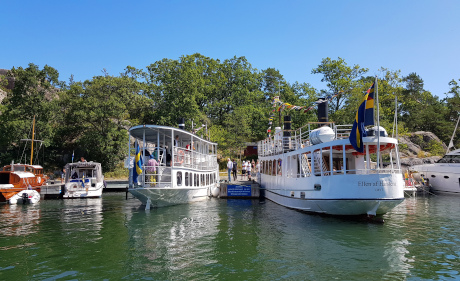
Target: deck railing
{"type": "Point", "coordinates": [299, 138]}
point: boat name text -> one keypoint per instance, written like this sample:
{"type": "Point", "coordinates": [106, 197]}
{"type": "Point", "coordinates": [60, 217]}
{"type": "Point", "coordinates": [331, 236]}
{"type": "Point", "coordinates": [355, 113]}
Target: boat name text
{"type": "Point", "coordinates": [377, 183]}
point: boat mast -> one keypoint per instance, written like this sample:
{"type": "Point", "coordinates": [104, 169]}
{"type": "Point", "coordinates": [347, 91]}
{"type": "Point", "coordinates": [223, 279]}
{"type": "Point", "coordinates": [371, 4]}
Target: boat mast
{"type": "Point", "coordinates": [451, 144]}
{"type": "Point", "coordinates": [32, 149]}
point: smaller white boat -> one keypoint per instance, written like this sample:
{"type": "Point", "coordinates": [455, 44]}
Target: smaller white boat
{"type": "Point", "coordinates": [25, 197]}
{"type": "Point", "coordinates": [83, 180]}
{"type": "Point", "coordinates": [444, 175]}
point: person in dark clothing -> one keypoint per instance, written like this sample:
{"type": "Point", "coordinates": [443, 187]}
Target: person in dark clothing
{"type": "Point", "coordinates": [234, 169]}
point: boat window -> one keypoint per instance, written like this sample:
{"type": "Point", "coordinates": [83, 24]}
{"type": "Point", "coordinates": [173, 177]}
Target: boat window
{"type": "Point", "coordinates": [450, 159]}
{"type": "Point", "coordinates": [195, 180]}
{"type": "Point", "coordinates": [4, 178]}
{"type": "Point", "coordinates": [201, 180]}
{"type": "Point", "coordinates": [29, 169]}
{"type": "Point", "coordinates": [280, 173]}
{"type": "Point", "coordinates": [19, 168]}
{"type": "Point", "coordinates": [179, 178]}
{"type": "Point", "coordinates": [186, 179]}
{"type": "Point", "coordinates": [302, 194]}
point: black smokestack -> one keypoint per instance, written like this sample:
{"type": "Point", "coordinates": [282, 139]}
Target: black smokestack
{"type": "Point", "coordinates": [181, 122]}
{"type": "Point", "coordinates": [322, 110]}
{"type": "Point", "coordinates": [287, 132]}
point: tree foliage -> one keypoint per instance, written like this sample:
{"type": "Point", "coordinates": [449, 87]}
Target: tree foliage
{"type": "Point", "coordinates": [233, 99]}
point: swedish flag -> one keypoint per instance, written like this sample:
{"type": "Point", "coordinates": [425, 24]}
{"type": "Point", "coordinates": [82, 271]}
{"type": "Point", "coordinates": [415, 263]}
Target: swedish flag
{"type": "Point", "coordinates": [357, 131]}
{"type": "Point", "coordinates": [369, 115]}
{"type": "Point", "coordinates": [137, 169]}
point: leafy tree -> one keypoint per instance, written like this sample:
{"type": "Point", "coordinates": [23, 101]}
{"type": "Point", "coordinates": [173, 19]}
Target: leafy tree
{"type": "Point", "coordinates": [340, 78]}
{"type": "Point", "coordinates": [97, 114]}
{"type": "Point", "coordinates": [32, 95]}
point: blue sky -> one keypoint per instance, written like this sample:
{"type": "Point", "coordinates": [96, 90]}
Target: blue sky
{"type": "Point", "coordinates": [84, 37]}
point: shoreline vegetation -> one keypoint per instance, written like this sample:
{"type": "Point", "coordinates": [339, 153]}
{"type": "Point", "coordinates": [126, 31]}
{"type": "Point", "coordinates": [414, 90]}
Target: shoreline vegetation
{"type": "Point", "coordinates": [90, 118]}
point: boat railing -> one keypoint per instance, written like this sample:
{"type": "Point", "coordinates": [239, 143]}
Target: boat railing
{"type": "Point", "coordinates": [157, 176]}
{"type": "Point", "coordinates": [319, 172]}
{"type": "Point", "coordinates": [296, 139]}
{"type": "Point", "coordinates": [342, 131]}
{"type": "Point", "coordinates": [194, 160]}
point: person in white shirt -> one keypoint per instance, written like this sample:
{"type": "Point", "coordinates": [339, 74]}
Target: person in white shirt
{"type": "Point", "coordinates": [258, 171]}
{"type": "Point", "coordinates": [243, 170]}
{"type": "Point", "coordinates": [248, 170]}
{"type": "Point", "coordinates": [229, 168]}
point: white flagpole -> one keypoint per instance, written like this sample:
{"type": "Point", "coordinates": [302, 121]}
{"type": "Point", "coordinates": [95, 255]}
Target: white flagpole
{"type": "Point", "coordinates": [378, 121]}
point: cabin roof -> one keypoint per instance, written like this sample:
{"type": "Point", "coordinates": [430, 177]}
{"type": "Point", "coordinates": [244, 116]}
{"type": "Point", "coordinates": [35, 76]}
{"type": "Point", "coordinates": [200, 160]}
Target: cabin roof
{"type": "Point", "coordinates": [84, 165]}
{"type": "Point", "coordinates": [165, 132]}
{"type": "Point", "coordinates": [22, 174]}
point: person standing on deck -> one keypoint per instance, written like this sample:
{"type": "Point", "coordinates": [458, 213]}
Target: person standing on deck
{"type": "Point", "coordinates": [258, 171]}
{"type": "Point", "coordinates": [248, 170]}
{"type": "Point", "coordinates": [235, 165]}
{"type": "Point", "coordinates": [243, 170]}
{"type": "Point", "coordinates": [152, 168]}
{"type": "Point", "coordinates": [229, 168]}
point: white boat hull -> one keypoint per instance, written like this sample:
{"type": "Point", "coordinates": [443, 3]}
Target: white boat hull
{"type": "Point", "coordinates": [74, 190]}
{"type": "Point", "coordinates": [25, 197]}
{"type": "Point", "coordinates": [162, 197]}
{"type": "Point", "coordinates": [373, 194]}
{"type": "Point", "coordinates": [442, 177]}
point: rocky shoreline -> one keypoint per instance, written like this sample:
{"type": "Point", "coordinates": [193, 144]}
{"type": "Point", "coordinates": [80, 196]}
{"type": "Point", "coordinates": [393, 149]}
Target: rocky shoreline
{"type": "Point", "coordinates": [413, 148]}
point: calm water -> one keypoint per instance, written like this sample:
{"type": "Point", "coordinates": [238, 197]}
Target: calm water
{"type": "Point", "coordinates": [114, 239]}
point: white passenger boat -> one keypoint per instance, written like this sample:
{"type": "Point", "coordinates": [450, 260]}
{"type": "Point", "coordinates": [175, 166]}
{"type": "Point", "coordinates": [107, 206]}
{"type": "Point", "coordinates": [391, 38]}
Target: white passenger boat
{"type": "Point", "coordinates": [315, 169]}
{"type": "Point", "coordinates": [184, 170]}
{"type": "Point", "coordinates": [83, 180]}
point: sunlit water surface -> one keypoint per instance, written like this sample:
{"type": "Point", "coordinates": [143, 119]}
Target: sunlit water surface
{"type": "Point", "coordinates": [112, 238]}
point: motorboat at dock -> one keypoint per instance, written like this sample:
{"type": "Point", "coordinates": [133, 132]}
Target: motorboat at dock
{"type": "Point", "coordinates": [83, 180]}
{"type": "Point", "coordinates": [16, 178]}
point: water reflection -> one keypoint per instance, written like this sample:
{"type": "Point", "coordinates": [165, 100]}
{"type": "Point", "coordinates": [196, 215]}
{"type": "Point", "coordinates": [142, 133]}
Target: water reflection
{"type": "Point", "coordinates": [19, 220]}
{"type": "Point", "coordinates": [432, 231]}
{"type": "Point", "coordinates": [113, 238]}
{"type": "Point", "coordinates": [174, 240]}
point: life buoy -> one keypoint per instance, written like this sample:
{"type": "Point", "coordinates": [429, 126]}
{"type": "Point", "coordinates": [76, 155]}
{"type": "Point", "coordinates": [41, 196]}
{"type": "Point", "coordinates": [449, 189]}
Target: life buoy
{"type": "Point", "coordinates": [180, 156]}
{"type": "Point", "coordinates": [73, 187]}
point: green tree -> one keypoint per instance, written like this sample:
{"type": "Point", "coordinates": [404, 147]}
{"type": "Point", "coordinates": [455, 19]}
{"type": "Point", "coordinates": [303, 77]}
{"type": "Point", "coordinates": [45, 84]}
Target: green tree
{"type": "Point", "coordinates": [97, 114]}
{"type": "Point", "coordinates": [33, 94]}
{"type": "Point", "coordinates": [340, 78]}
